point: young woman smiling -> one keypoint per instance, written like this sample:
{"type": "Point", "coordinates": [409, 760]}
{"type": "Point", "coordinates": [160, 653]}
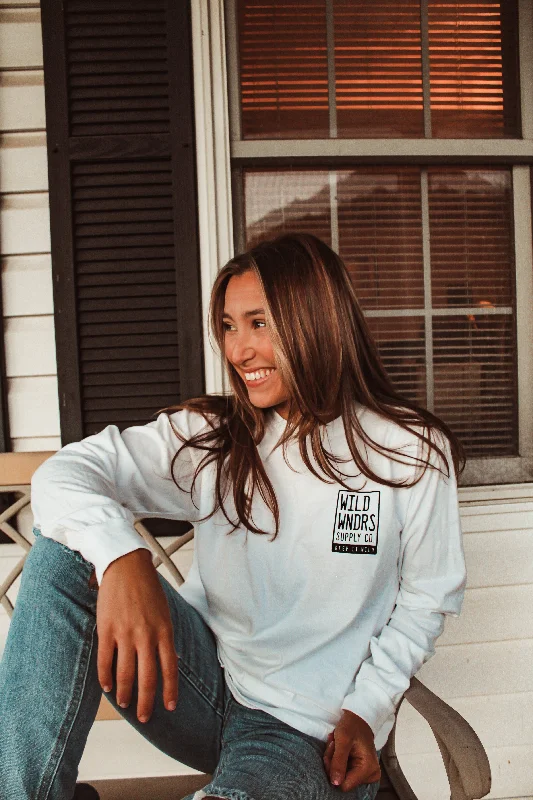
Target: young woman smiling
{"type": "Point", "coordinates": [327, 553]}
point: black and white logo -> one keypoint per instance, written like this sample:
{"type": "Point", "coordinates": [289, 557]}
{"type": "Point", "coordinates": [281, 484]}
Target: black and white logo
{"type": "Point", "coordinates": [356, 522]}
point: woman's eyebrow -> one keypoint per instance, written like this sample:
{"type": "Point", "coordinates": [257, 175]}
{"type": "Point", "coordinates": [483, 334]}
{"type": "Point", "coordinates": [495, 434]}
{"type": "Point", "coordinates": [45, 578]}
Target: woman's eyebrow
{"type": "Point", "coordinates": [251, 313]}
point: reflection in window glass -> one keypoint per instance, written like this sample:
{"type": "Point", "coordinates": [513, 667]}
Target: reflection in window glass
{"type": "Point", "coordinates": [281, 201]}
{"type": "Point", "coordinates": [402, 346]}
{"type": "Point", "coordinates": [470, 212]}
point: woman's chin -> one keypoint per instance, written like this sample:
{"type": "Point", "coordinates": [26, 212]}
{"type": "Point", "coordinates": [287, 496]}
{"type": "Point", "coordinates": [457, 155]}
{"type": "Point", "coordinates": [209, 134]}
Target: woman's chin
{"type": "Point", "coordinates": [260, 400]}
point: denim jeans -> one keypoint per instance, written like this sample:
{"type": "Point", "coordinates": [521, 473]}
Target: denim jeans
{"type": "Point", "coordinates": [49, 696]}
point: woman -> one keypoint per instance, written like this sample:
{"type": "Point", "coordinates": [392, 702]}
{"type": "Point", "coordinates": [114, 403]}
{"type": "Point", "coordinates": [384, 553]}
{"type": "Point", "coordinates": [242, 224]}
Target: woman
{"type": "Point", "coordinates": [327, 553]}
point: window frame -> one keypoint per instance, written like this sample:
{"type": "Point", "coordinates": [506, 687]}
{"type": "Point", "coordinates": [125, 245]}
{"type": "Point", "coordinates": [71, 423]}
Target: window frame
{"type": "Point", "coordinates": [222, 155]}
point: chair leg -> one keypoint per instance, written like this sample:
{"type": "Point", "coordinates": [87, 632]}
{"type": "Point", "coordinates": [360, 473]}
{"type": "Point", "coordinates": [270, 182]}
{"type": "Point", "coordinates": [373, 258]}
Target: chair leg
{"type": "Point", "coordinates": [392, 767]}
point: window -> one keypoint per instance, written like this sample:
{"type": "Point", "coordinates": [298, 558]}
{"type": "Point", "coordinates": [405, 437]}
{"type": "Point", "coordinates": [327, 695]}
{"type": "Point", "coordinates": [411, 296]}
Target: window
{"type": "Point", "coordinates": [361, 68]}
{"type": "Point", "coordinates": [390, 131]}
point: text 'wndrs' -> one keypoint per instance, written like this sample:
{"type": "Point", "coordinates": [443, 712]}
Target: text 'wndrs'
{"type": "Point", "coordinates": [356, 522]}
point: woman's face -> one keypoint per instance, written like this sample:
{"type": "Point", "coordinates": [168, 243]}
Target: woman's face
{"type": "Point", "coordinates": [247, 343]}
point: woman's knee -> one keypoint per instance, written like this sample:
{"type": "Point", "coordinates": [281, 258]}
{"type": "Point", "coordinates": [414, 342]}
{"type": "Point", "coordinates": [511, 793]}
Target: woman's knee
{"type": "Point", "coordinates": [51, 566]}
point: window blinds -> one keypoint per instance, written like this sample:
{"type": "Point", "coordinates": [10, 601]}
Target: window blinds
{"type": "Point", "coordinates": [472, 270]}
{"type": "Point", "coordinates": [444, 324]}
{"type": "Point", "coordinates": [473, 50]}
{"type": "Point", "coordinates": [353, 68]}
{"type": "Point", "coordinates": [283, 69]}
{"type": "Point", "coordinates": [378, 68]}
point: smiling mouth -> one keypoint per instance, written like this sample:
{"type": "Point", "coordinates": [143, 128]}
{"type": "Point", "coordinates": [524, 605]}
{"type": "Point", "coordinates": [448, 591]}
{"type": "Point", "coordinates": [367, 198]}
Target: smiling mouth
{"type": "Point", "coordinates": [258, 377]}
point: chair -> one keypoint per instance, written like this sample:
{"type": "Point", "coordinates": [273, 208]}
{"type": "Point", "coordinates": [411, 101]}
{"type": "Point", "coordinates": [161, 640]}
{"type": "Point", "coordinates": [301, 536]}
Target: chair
{"type": "Point", "coordinates": [464, 757]}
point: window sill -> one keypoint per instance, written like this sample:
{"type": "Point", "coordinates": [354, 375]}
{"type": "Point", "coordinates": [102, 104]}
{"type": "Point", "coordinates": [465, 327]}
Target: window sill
{"type": "Point", "coordinates": [497, 473]}
{"type": "Point", "coordinates": [495, 494]}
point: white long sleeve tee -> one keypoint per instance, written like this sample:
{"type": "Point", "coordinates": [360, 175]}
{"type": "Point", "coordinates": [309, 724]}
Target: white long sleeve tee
{"type": "Point", "coordinates": [339, 611]}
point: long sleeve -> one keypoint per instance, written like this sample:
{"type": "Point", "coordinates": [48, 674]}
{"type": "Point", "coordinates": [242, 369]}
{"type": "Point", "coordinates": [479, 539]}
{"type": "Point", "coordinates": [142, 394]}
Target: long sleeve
{"type": "Point", "coordinates": [432, 585]}
{"type": "Point", "coordinates": [90, 492]}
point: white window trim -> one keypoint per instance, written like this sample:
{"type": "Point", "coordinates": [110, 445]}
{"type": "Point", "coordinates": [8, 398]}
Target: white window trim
{"type": "Point", "coordinates": [215, 218]}
{"type": "Point", "coordinates": [217, 136]}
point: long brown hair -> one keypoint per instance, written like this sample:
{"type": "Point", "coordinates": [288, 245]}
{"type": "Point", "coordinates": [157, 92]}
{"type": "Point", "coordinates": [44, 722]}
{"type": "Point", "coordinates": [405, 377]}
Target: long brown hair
{"type": "Point", "coordinates": [329, 363]}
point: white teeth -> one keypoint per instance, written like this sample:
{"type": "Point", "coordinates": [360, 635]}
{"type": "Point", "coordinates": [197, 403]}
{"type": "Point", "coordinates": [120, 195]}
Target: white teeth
{"type": "Point", "coordinates": [255, 376]}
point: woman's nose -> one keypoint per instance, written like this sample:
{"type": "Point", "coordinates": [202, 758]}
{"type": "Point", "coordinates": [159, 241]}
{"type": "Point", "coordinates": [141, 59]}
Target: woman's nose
{"type": "Point", "coordinates": [242, 349]}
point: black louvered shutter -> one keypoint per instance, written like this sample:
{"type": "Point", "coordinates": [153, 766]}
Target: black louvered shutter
{"type": "Point", "coordinates": [119, 107]}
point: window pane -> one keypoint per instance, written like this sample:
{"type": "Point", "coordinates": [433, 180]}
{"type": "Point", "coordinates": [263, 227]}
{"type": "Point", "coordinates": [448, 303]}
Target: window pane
{"type": "Point", "coordinates": [402, 346]}
{"type": "Point", "coordinates": [283, 69]}
{"type": "Point", "coordinates": [474, 371]}
{"type": "Point", "coordinates": [380, 235]}
{"type": "Point", "coordinates": [378, 68]}
{"type": "Point", "coordinates": [281, 201]}
{"type": "Point", "coordinates": [473, 60]}
{"type": "Point", "coordinates": [472, 267]}
{"type": "Point", "coordinates": [472, 257]}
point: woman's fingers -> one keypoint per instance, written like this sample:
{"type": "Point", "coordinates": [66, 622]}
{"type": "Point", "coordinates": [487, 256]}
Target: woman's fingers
{"type": "Point", "coordinates": [339, 760]}
{"type": "Point", "coordinates": [125, 673]}
{"type": "Point", "coordinates": [363, 768]}
{"type": "Point", "coordinates": [328, 753]}
{"type": "Point", "coordinates": [104, 664]}
{"type": "Point", "coordinates": [168, 659]}
{"type": "Point", "coordinates": [147, 681]}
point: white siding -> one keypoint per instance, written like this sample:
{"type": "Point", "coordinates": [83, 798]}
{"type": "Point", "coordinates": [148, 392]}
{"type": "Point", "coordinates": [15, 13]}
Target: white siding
{"type": "Point", "coordinates": [482, 666]}
{"type": "Point", "coordinates": [25, 235]}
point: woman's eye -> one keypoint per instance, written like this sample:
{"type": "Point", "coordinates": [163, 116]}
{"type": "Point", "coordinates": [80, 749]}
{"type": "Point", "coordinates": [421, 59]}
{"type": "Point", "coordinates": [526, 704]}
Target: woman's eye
{"type": "Point", "coordinates": [227, 326]}
{"type": "Point", "coordinates": [259, 323]}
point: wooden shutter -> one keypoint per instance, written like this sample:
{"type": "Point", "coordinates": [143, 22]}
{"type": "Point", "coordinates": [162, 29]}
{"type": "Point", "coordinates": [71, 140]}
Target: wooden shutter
{"type": "Point", "coordinates": [118, 82]}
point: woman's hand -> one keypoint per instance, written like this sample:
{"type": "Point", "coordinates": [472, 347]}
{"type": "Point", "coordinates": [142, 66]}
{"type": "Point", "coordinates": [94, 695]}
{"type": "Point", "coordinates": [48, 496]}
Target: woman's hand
{"type": "Point", "coordinates": [350, 758]}
{"type": "Point", "coordinates": [132, 615]}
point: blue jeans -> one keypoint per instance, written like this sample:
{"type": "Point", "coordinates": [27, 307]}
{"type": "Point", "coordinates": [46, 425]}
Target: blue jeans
{"type": "Point", "coordinates": [49, 696]}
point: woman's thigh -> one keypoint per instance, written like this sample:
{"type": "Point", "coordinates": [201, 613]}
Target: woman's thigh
{"type": "Point", "coordinates": [262, 758]}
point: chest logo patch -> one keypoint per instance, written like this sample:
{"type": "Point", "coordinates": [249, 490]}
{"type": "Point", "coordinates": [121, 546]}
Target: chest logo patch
{"type": "Point", "coordinates": [356, 522]}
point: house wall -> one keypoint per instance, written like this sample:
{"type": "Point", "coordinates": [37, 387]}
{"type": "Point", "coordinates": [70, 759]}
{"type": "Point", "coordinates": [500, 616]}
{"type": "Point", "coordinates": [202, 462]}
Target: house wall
{"type": "Point", "coordinates": [483, 662]}
{"type": "Point", "coordinates": [25, 234]}
{"type": "Point", "coordinates": [482, 665]}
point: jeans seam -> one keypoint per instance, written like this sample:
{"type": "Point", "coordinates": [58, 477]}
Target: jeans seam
{"type": "Point", "coordinates": [54, 761]}
{"type": "Point", "coordinates": [226, 794]}
{"type": "Point", "coordinates": [198, 685]}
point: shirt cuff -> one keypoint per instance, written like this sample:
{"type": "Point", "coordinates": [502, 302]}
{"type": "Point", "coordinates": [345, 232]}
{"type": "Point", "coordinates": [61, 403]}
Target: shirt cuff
{"type": "Point", "coordinates": [370, 703]}
{"type": "Point", "coordinates": [101, 545]}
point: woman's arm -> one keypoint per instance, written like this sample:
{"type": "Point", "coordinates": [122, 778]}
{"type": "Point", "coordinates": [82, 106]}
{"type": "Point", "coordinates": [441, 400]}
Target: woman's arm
{"type": "Point", "coordinates": [90, 492]}
{"type": "Point", "coordinates": [432, 585]}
